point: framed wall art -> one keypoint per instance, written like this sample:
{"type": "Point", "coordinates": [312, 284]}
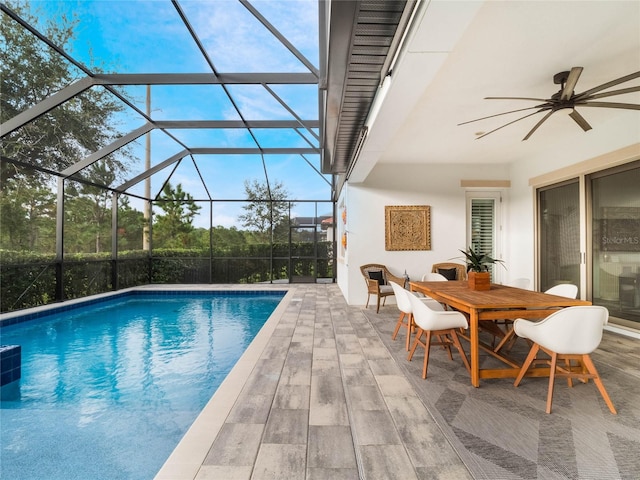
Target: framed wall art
{"type": "Point", "coordinates": [407, 227]}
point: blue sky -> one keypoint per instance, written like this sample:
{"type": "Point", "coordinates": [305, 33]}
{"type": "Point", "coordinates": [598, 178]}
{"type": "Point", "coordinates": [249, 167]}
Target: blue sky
{"type": "Point", "coordinates": [137, 36]}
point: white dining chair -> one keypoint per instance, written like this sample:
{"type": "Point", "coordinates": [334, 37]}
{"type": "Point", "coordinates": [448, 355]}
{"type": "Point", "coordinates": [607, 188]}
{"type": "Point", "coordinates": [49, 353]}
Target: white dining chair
{"type": "Point", "coordinates": [494, 328]}
{"type": "Point", "coordinates": [562, 290]}
{"type": "Point", "coordinates": [430, 277]}
{"type": "Point", "coordinates": [439, 323]}
{"type": "Point", "coordinates": [433, 277]}
{"type": "Point", "coordinates": [568, 334]}
{"type": "Point", "coordinates": [406, 310]}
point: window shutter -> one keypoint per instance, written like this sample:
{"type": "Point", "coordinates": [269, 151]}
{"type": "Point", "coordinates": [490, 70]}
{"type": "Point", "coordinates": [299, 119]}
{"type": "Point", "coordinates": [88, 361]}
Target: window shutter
{"type": "Point", "coordinates": [482, 225]}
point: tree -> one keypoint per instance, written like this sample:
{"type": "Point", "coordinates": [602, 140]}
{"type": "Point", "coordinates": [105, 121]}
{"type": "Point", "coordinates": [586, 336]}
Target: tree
{"type": "Point", "coordinates": [93, 205]}
{"type": "Point", "coordinates": [130, 225]}
{"type": "Point", "coordinates": [267, 212]}
{"type": "Point", "coordinates": [173, 229]}
{"type": "Point", "coordinates": [30, 72]}
{"type": "Point", "coordinates": [28, 218]}
{"type": "Point", "coordinates": [226, 237]}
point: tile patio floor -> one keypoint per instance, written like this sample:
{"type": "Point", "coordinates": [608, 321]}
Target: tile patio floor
{"type": "Point", "coordinates": [316, 396]}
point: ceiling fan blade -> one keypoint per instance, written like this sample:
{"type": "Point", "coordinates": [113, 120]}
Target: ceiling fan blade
{"type": "Point", "coordinates": [625, 106]}
{"type": "Point", "coordinates": [537, 125]}
{"type": "Point", "coordinates": [604, 86]}
{"type": "Point", "coordinates": [514, 121]}
{"type": "Point", "coordinates": [612, 93]}
{"type": "Point", "coordinates": [579, 119]}
{"type": "Point", "coordinates": [503, 113]}
{"type": "Point", "coordinates": [518, 98]}
{"type": "Point", "coordinates": [570, 84]}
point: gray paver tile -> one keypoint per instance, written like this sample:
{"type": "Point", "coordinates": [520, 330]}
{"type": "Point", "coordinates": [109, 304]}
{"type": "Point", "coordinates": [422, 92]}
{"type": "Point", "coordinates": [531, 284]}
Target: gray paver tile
{"type": "Point", "coordinates": [332, 474]}
{"type": "Point", "coordinates": [296, 373]}
{"type": "Point", "coordinates": [330, 447]}
{"type": "Point", "coordinates": [277, 462]}
{"type": "Point", "coordinates": [250, 409]}
{"type": "Point", "coordinates": [348, 343]}
{"type": "Point", "coordinates": [430, 451]}
{"type": "Point", "coordinates": [325, 368]}
{"type": "Point", "coordinates": [384, 367]}
{"type": "Point", "coordinates": [327, 402]}
{"type": "Point", "coordinates": [322, 353]}
{"type": "Point", "coordinates": [387, 461]}
{"type": "Point", "coordinates": [269, 366]}
{"type": "Point", "coordinates": [365, 397]}
{"type": "Point", "coordinates": [287, 426]}
{"type": "Point", "coordinates": [292, 397]}
{"type": "Point", "coordinates": [236, 445]}
{"type": "Point", "coordinates": [448, 472]}
{"type": "Point", "coordinates": [408, 410]}
{"type": "Point", "coordinates": [261, 384]}
{"type": "Point", "coordinates": [216, 472]}
{"type": "Point", "coordinates": [374, 427]}
{"type": "Point", "coordinates": [352, 360]}
{"type": "Point", "coordinates": [395, 386]}
{"type": "Point", "coordinates": [324, 342]}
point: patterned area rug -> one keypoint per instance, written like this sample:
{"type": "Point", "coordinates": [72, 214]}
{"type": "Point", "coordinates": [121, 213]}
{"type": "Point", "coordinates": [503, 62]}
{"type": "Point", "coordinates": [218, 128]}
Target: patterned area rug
{"type": "Point", "coordinates": [502, 432]}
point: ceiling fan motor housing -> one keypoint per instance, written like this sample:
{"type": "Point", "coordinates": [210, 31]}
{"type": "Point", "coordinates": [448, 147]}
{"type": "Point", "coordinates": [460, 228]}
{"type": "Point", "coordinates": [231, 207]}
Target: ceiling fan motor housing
{"type": "Point", "coordinates": [560, 78]}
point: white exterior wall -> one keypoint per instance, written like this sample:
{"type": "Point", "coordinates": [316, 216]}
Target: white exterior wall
{"type": "Point", "coordinates": [435, 185]}
{"type": "Point", "coordinates": [439, 186]}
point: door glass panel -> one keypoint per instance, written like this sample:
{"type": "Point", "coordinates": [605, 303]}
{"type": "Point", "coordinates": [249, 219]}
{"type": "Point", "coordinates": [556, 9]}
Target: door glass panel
{"type": "Point", "coordinates": [616, 243]}
{"type": "Point", "coordinates": [559, 235]}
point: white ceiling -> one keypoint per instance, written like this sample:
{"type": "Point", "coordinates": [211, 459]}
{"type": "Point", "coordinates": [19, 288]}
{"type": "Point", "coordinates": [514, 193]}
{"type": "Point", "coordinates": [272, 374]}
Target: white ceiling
{"type": "Point", "coordinates": [459, 52]}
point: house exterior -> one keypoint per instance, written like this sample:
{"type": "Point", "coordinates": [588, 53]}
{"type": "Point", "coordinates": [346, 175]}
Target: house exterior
{"type": "Point", "coordinates": [413, 152]}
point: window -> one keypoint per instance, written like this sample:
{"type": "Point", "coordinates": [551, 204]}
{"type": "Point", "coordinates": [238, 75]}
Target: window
{"type": "Point", "coordinates": [483, 226]}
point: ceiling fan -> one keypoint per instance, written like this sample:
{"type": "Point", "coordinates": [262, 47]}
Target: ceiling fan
{"type": "Point", "coordinates": [566, 99]}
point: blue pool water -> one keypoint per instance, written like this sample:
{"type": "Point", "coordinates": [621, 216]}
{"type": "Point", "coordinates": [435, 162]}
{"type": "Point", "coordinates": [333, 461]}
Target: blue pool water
{"type": "Point", "coordinates": [108, 391]}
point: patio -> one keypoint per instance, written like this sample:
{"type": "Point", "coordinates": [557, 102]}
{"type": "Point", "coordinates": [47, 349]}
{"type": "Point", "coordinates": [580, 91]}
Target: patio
{"type": "Point", "coordinates": [323, 392]}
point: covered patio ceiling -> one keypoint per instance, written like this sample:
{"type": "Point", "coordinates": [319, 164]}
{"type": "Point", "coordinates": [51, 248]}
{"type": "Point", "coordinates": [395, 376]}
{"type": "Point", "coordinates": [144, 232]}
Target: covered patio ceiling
{"type": "Point", "coordinates": [454, 54]}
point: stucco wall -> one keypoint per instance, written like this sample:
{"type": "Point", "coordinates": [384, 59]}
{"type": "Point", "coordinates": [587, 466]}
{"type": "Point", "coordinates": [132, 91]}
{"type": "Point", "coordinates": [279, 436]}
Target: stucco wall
{"type": "Point", "coordinates": [435, 185]}
{"type": "Point", "coordinates": [439, 186]}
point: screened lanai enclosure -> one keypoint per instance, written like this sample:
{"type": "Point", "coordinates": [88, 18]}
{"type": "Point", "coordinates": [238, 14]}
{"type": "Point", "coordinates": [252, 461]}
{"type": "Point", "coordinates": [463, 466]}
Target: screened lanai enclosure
{"type": "Point", "coordinates": [161, 142]}
{"type": "Point", "coordinates": [189, 141]}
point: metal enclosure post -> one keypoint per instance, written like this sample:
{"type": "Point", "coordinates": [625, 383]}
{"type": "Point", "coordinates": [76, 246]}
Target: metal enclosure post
{"type": "Point", "coordinates": [60, 241]}
{"type": "Point", "coordinates": [114, 241]}
{"type": "Point", "coordinates": [210, 241]}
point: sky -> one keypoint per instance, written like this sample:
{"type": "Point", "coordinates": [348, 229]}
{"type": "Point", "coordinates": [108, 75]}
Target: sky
{"type": "Point", "coordinates": [139, 36]}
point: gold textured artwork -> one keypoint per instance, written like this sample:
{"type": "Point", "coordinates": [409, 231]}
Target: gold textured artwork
{"type": "Point", "coordinates": [407, 227]}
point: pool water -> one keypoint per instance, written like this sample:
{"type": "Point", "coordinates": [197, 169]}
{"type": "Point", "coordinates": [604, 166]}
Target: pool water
{"type": "Point", "coordinates": [108, 391]}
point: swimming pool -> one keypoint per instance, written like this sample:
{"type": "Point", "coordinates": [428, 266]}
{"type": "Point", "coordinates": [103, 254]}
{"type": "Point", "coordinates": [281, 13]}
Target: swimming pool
{"type": "Point", "coordinates": [108, 391]}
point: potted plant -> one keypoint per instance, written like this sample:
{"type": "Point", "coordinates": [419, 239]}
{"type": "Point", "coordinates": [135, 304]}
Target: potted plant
{"type": "Point", "coordinates": [478, 273]}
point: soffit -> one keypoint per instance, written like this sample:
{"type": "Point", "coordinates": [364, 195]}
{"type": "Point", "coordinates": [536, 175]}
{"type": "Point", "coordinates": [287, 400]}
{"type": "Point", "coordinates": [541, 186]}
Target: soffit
{"type": "Point", "coordinates": [362, 38]}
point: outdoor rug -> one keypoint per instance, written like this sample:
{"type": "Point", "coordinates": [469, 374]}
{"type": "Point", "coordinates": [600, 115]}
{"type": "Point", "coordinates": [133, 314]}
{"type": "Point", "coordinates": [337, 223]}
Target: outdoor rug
{"type": "Point", "coordinates": [502, 432]}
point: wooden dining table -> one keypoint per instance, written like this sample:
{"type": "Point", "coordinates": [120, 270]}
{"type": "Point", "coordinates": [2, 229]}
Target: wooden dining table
{"type": "Point", "coordinates": [499, 303]}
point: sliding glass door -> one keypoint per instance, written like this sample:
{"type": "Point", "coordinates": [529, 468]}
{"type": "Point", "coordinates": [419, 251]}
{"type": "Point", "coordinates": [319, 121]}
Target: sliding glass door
{"type": "Point", "coordinates": [559, 234]}
{"type": "Point", "coordinates": [615, 240]}
{"type": "Point", "coordinates": [591, 237]}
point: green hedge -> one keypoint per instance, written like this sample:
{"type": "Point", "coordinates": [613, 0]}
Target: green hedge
{"type": "Point", "coordinates": [29, 279]}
